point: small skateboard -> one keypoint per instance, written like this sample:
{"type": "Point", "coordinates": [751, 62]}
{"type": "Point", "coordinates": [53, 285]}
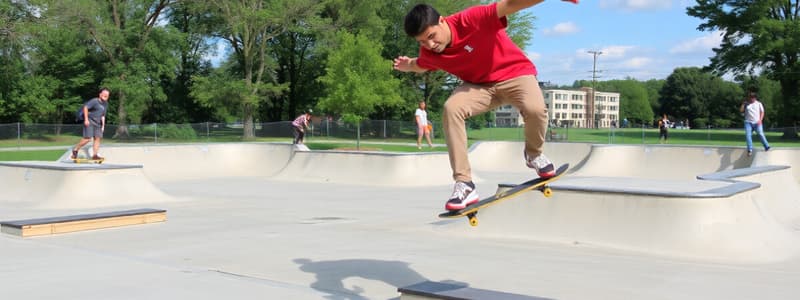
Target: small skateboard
{"type": "Point", "coordinates": [81, 160]}
{"type": "Point", "coordinates": [540, 184]}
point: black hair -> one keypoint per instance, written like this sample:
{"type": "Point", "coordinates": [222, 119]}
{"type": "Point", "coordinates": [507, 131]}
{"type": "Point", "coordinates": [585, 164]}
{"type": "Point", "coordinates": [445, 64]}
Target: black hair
{"type": "Point", "coordinates": [420, 18]}
{"type": "Point", "coordinates": [104, 89]}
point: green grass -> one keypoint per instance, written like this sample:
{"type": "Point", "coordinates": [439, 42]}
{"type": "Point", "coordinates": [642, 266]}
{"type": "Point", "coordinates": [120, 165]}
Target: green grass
{"type": "Point", "coordinates": [636, 136]}
{"type": "Point", "coordinates": [714, 137]}
{"type": "Point", "coordinates": [47, 155]}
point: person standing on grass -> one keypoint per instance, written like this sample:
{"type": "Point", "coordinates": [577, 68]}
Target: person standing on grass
{"type": "Point", "coordinates": [663, 129]}
{"type": "Point", "coordinates": [753, 119]}
{"type": "Point", "coordinates": [423, 126]}
{"type": "Point", "coordinates": [94, 123]}
{"type": "Point", "coordinates": [473, 45]}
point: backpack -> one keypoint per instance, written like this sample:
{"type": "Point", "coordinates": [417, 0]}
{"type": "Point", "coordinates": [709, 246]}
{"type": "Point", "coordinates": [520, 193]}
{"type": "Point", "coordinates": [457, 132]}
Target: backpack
{"type": "Point", "coordinates": [79, 115]}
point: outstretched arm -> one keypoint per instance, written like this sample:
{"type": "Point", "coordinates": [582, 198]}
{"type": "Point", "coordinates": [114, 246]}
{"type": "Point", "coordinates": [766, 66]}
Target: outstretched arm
{"type": "Point", "coordinates": [407, 64]}
{"type": "Point", "coordinates": [507, 7]}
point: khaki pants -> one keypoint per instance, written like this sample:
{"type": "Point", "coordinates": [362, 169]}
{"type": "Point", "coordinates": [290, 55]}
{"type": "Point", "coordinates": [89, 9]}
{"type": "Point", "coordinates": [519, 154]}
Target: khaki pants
{"type": "Point", "coordinates": [471, 99]}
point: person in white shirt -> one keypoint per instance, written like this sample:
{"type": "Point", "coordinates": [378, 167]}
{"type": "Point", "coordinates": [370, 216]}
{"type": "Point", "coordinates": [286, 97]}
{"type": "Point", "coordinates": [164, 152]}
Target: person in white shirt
{"type": "Point", "coordinates": [423, 126]}
{"type": "Point", "coordinates": [753, 119]}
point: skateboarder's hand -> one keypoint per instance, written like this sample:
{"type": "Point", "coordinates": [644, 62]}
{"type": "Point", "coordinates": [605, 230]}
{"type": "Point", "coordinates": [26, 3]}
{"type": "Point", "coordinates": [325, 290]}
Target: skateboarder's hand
{"type": "Point", "coordinates": [86, 122]}
{"type": "Point", "coordinates": [402, 63]}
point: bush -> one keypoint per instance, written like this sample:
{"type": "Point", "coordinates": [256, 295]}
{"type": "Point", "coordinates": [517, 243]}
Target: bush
{"type": "Point", "coordinates": [178, 132]}
{"type": "Point", "coordinates": [700, 123]}
{"type": "Point", "coordinates": [723, 123]}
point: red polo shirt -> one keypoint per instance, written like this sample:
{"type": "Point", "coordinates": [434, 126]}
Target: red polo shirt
{"type": "Point", "coordinates": [480, 51]}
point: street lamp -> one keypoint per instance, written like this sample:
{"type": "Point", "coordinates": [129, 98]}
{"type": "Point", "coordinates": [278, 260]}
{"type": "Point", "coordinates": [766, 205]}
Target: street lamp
{"type": "Point", "coordinates": [594, 78]}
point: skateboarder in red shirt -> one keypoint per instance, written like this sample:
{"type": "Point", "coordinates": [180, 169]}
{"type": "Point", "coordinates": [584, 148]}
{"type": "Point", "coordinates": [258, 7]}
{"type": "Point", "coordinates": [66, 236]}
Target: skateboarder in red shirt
{"type": "Point", "coordinates": [473, 45]}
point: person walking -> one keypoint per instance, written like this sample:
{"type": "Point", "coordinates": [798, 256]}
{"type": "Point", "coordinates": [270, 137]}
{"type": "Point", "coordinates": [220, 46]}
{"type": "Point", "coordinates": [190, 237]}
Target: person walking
{"type": "Point", "coordinates": [663, 129]}
{"type": "Point", "coordinates": [473, 45]}
{"type": "Point", "coordinates": [423, 126]}
{"type": "Point", "coordinates": [94, 123]}
{"type": "Point", "coordinates": [753, 119]}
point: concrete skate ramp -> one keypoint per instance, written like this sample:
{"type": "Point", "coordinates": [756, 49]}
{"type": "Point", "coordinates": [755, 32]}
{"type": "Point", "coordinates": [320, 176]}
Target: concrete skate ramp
{"type": "Point", "coordinates": [661, 162]}
{"type": "Point", "coordinates": [789, 157]}
{"type": "Point", "coordinates": [201, 161]}
{"type": "Point", "coordinates": [57, 185]}
{"type": "Point", "coordinates": [755, 226]}
{"type": "Point", "coordinates": [368, 168]}
{"type": "Point", "coordinates": [508, 156]}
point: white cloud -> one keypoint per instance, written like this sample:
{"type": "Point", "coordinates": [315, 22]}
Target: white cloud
{"type": "Point", "coordinates": [636, 62]}
{"type": "Point", "coordinates": [534, 56]}
{"type": "Point", "coordinates": [702, 44]}
{"type": "Point", "coordinates": [636, 5]}
{"type": "Point", "coordinates": [561, 29]}
{"type": "Point", "coordinates": [608, 52]}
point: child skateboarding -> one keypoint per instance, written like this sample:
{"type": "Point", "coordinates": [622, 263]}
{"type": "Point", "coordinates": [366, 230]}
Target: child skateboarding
{"type": "Point", "coordinates": [473, 45]}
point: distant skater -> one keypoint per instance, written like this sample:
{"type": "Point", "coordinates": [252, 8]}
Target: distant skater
{"type": "Point", "coordinates": [94, 123]}
{"type": "Point", "coordinates": [423, 126]}
{"type": "Point", "coordinates": [300, 124]}
{"type": "Point", "coordinates": [753, 119]}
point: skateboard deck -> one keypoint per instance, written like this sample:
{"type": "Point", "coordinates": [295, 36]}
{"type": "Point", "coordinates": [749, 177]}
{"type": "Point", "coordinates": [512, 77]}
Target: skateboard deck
{"type": "Point", "coordinates": [87, 160]}
{"type": "Point", "coordinates": [540, 184]}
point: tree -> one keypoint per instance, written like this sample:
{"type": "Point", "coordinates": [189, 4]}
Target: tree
{"type": "Point", "coordinates": [357, 79]}
{"type": "Point", "coordinates": [633, 103]}
{"type": "Point", "coordinates": [15, 18]}
{"type": "Point", "coordinates": [194, 44]}
{"type": "Point", "coordinates": [249, 27]}
{"type": "Point", "coordinates": [57, 76]}
{"type": "Point", "coordinates": [758, 35]}
{"type": "Point", "coordinates": [135, 47]}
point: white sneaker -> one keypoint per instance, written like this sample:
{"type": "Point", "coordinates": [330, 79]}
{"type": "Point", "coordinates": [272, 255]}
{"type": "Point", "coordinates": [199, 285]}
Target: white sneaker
{"type": "Point", "coordinates": [464, 194]}
{"type": "Point", "coordinates": [544, 168]}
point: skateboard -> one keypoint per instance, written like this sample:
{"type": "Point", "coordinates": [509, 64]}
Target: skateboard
{"type": "Point", "coordinates": [81, 160]}
{"type": "Point", "coordinates": [540, 184]}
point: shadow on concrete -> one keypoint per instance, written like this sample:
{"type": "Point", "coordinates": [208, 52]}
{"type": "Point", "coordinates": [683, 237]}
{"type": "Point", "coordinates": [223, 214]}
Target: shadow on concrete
{"type": "Point", "coordinates": [332, 273]}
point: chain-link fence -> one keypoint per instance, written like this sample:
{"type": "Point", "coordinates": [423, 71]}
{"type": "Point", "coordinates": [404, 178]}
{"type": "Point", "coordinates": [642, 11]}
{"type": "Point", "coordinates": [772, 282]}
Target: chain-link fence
{"type": "Point", "coordinates": [33, 135]}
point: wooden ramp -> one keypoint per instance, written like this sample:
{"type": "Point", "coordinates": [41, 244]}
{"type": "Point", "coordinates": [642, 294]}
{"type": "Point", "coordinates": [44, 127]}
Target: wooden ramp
{"type": "Point", "coordinates": [429, 290]}
{"type": "Point", "coordinates": [64, 224]}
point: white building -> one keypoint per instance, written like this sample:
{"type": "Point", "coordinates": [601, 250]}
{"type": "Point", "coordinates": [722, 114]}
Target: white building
{"type": "Point", "coordinates": [569, 108]}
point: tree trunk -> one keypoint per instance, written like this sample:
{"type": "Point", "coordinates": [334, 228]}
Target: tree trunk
{"type": "Point", "coordinates": [787, 113]}
{"type": "Point", "coordinates": [122, 115]}
{"type": "Point", "coordinates": [249, 132]}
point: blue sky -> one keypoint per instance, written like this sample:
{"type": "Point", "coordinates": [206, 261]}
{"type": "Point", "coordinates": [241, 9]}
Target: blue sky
{"type": "Point", "coordinates": [642, 39]}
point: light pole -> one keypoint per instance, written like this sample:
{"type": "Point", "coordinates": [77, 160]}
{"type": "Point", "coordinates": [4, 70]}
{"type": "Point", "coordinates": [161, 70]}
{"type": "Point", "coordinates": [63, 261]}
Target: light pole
{"type": "Point", "coordinates": [592, 113]}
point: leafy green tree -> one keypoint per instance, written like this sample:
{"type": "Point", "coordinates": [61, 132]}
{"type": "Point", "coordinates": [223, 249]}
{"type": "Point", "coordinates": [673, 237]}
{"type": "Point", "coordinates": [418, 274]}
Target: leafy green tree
{"type": "Point", "coordinates": [723, 104]}
{"type": "Point", "coordinates": [194, 45]}
{"type": "Point", "coordinates": [135, 47]}
{"type": "Point", "coordinates": [758, 35]}
{"type": "Point", "coordinates": [249, 27]}
{"type": "Point", "coordinates": [15, 19]}
{"type": "Point", "coordinates": [220, 92]}
{"type": "Point", "coordinates": [653, 87]}
{"type": "Point", "coordinates": [357, 79]}
{"type": "Point", "coordinates": [58, 73]}
{"type": "Point", "coordinates": [633, 103]}
{"type": "Point", "coordinates": [684, 95]}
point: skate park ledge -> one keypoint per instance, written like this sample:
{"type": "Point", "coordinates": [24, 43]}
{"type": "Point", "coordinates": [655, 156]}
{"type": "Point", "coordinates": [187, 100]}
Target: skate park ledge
{"type": "Point", "coordinates": [449, 291]}
{"type": "Point", "coordinates": [704, 187]}
{"type": "Point", "coordinates": [73, 223]}
{"type": "Point", "coordinates": [67, 165]}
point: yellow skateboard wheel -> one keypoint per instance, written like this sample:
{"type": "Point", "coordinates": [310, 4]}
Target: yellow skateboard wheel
{"type": "Point", "coordinates": [547, 192]}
